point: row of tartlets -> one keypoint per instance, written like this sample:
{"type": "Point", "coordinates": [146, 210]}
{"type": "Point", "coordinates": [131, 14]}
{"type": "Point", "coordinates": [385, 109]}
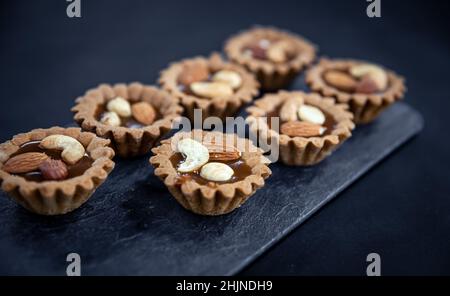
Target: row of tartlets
{"type": "Point", "coordinates": [54, 171]}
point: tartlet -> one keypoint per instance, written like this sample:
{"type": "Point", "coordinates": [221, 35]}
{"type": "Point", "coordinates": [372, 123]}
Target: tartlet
{"type": "Point", "coordinates": [133, 116]}
{"type": "Point", "coordinates": [276, 57]}
{"type": "Point", "coordinates": [210, 173]}
{"type": "Point", "coordinates": [367, 88]}
{"type": "Point", "coordinates": [311, 127]}
{"type": "Point", "coordinates": [54, 171]}
{"type": "Point", "coordinates": [212, 85]}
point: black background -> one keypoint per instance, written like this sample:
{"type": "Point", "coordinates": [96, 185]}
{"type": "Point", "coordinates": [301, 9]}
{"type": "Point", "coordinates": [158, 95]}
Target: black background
{"type": "Point", "coordinates": [401, 209]}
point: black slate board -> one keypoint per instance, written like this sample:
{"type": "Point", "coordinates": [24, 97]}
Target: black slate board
{"type": "Point", "coordinates": [132, 226]}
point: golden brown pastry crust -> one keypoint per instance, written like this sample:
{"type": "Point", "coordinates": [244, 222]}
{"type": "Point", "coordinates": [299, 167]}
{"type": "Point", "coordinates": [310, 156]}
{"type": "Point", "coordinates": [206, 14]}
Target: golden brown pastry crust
{"type": "Point", "coordinates": [57, 197]}
{"type": "Point", "coordinates": [127, 142]}
{"type": "Point", "coordinates": [272, 76]}
{"type": "Point", "coordinates": [219, 107]}
{"type": "Point", "coordinates": [210, 200]}
{"type": "Point", "coordinates": [300, 150]}
{"type": "Point", "coordinates": [365, 107]}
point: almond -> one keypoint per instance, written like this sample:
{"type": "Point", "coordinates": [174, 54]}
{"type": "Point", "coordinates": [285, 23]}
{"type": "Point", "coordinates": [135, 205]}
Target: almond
{"type": "Point", "coordinates": [53, 169]}
{"type": "Point", "coordinates": [376, 73]}
{"type": "Point", "coordinates": [24, 163]}
{"type": "Point", "coordinates": [219, 152]}
{"type": "Point", "coordinates": [367, 86]}
{"type": "Point", "coordinates": [340, 80]}
{"type": "Point", "coordinates": [143, 112]}
{"type": "Point", "coordinates": [301, 129]}
{"type": "Point", "coordinates": [256, 51]}
{"type": "Point", "coordinates": [193, 72]}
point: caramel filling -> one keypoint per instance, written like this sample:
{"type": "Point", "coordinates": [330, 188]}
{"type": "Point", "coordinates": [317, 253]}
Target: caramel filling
{"type": "Point", "coordinates": [240, 168]}
{"type": "Point", "coordinates": [74, 170]}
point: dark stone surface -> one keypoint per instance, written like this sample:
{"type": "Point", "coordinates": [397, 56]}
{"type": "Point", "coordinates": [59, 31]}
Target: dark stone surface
{"type": "Point", "coordinates": [399, 210]}
{"type": "Point", "coordinates": [132, 225]}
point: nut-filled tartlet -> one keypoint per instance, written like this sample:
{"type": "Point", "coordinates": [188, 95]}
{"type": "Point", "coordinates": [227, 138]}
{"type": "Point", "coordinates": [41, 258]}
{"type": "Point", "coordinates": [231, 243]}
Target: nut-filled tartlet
{"type": "Point", "coordinates": [215, 87]}
{"type": "Point", "coordinates": [367, 88]}
{"type": "Point", "coordinates": [276, 57]}
{"type": "Point", "coordinates": [54, 171]}
{"type": "Point", "coordinates": [311, 127]}
{"type": "Point", "coordinates": [133, 116]}
{"type": "Point", "coordinates": [210, 173]}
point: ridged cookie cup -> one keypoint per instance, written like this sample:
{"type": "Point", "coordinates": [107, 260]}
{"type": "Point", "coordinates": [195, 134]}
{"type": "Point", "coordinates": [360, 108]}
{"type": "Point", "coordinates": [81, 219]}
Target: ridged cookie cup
{"type": "Point", "coordinates": [220, 106]}
{"type": "Point", "coordinates": [301, 151]}
{"type": "Point", "coordinates": [127, 142]}
{"type": "Point", "coordinates": [57, 197]}
{"type": "Point", "coordinates": [221, 198]}
{"type": "Point", "coordinates": [365, 107]}
{"type": "Point", "coordinates": [272, 76]}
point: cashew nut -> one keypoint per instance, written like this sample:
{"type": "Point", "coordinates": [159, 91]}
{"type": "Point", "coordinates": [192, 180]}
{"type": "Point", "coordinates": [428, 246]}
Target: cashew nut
{"type": "Point", "coordinates": [111, 118]}
{"type": "Point", "coordinates": [288, 111]}
{"type": "Point", "coordinates": [311, 114]}
{"type": "Point", "coordinates": [211, 89]}
{"type": "Point", "coordinates": [72, 150]}
{"type": "Point", "coordinates": [216, 171]}
{"type": "Point", "coordinates": [120, 106]}
{"type": "Point", "coordinates": [195, 153]}
{"type": "Point", "coordinates": [229, 77]}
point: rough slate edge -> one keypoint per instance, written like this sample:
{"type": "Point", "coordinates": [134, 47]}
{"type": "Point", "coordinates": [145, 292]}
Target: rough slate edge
{"type": "Point", "coordinates": [400, 123]}
{"type": "Point", "coordinates": [415, 123]}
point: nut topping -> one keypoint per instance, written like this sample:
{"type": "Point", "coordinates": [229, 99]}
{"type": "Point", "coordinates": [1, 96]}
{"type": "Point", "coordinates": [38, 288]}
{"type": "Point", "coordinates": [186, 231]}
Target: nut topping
{"type": "Point", "coordinates": [193, 73]}
{"type": "Point", "coordinates": [288, 111]}
{"type": "Point", "coordinates": [24, 163]}
{"type": "Point", "coordinates": [72, 150]}
{"type": "Point", "coordinates": [301, 129]}
{"type": "Point", "coordinates": [53, 169]}
{"type": "Point", "coordinates": [340, 80]}
{"type": "Point", "coordinates": [229, 77]}
{"type": "Point", "coordinates": [311, 114]}
{"type": "Point", "coordinates": [143, 112]}
{"type": "Point", "coordinates": [255, 51]}
{"type": "Point", "coordinates": [278, 52]}
{"type": "Point", "coordinates": [367, 85]}
{"type": "Point", "coordinates": [110, 118]}
{"type": "Point", "coordinates": [217, 171]}
{"type": "Point", "coordinates": [376, 73]}
{"type": "Point", "coordinates": [195, 153]}
{"type": "Point", "coordinates": [211, 89]}
{"type": "Point", "coordinates": [220, 152]}
{"type": "Point", "coordinates": [120, 106]}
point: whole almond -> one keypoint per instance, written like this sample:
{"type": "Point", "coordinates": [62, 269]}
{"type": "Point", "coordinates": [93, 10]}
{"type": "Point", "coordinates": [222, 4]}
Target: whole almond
{"type": "Point", "coordinates": [255, 51]}
{"type": "Point", "coordinates": [288, 111]}
{"type": "Point", "coordinates": [367, 86]}
{"type": "Point", "coordinates": [301, 129]}
{"type": "Point", "coordinates": [219, 152]}
{"type": "Point", "coordinates": [193, 73]}
{"type": "Point", "coordinates": [53, 169]}
{"type": "Point", "coordinates": [24, 163]}
{"type": "Point", "coordinates": [376, 73]}
{"type": "Point", "coordinates": [340, 80]}
{"type": "Point", "coordinates": [143, 112]}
